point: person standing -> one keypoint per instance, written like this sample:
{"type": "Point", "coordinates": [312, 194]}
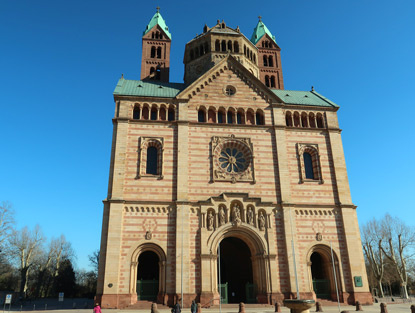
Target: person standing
{"type": "Point", "coordinates": [97, 308]}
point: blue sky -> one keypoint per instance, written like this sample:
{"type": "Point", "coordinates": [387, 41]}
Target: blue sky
{"type": "Point", "coordinates": [60, 62]}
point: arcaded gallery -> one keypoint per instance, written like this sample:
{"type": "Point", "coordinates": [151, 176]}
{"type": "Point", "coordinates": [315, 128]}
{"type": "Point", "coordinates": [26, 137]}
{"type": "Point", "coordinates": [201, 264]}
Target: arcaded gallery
{"type": "Point", "coordinates": [225, 185]}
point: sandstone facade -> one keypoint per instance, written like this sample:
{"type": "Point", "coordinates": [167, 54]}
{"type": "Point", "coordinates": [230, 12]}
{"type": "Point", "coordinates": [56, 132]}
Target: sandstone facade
{"type": "Point", "coordinates": [218, 184]}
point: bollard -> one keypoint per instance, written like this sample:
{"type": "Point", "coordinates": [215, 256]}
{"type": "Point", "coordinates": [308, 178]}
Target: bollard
{"type": "Point", "coordinates": [277, 307]}
{"type": "Point", "coordinates": [412, 308]}
{"type": "Point", "coordinates": [46, 306]}
{"type": "Point", "coordinates": [241, 308]}
{"type": "Point", "coordinates": [34, 307]}
{"type": "Point", "coordinates": [319, 307]}
{"type": "Point", "coordinates": [154, 308]}
{"type": "Point", "coordinates": [21, 307]}
{"type": "Point", "coordinates": [199, 308]}
{"type": "Point", "coordinates": [383, 308]}
{"type": "Point", "coordinates": [74, 305]}
{"type": "Point", "coordinates": [358, 306]}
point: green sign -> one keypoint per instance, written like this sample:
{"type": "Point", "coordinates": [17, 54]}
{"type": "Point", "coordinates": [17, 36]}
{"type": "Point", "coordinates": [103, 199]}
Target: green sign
{"type": "Point", "coordinates": [358, 281]}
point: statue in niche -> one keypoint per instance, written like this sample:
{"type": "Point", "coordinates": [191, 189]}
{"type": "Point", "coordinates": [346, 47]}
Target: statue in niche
{"type": "Point", "coordinates": [261, 221]}
{"type": "Point", "coordinates": [221, 216]}
{"type": "Point", "coordinates": [236, 215]}
{"type": "Point", "coordinates": [210, 221]}
{"type": "Point", "coordinates": [250, 217]}
{"type": "Point", "coordinates": [149, 235]}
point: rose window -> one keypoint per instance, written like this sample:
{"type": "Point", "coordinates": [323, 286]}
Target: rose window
{"type": "Point", "coordinates": [232, 160]}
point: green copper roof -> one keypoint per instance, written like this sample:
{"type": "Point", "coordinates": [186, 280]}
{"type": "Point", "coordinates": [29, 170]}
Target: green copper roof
{"type": "Point", "coordinates": [141, 88]}
{"type": "Point", "coordinates": [259, 31]}
{"type": "Point", "coordinates": [157, 19]}
{"type": "Point", "coordinates": [311, 98]}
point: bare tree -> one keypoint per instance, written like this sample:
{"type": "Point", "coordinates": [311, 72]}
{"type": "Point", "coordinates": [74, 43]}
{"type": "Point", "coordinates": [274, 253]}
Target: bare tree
{"type": "Point", "coordinates": [94, 260]}
{"type": "Point", "coordinates": [398, 247]}
{"type": "Point", "coordinates": [372, 245]}
{"type": "Point", "coordinates": [6, 222]}
{"type": "Point", "coordinates": [24, 247]}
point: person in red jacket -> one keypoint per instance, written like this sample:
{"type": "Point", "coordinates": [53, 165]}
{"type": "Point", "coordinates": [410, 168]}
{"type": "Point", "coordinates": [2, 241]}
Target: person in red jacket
{"type": "Point", "coordinates": [97, 308]}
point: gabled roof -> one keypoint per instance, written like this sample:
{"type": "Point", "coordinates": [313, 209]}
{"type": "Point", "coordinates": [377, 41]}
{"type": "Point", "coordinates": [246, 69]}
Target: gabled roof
{"type": "Point", "coordinates": [141, 88]}
{"type": "Point", "coordinates": [157, 19]}
{"type": "Point", "coordinates": [298, 97]}
{"type": "Point", "coordinates": [259, 31]}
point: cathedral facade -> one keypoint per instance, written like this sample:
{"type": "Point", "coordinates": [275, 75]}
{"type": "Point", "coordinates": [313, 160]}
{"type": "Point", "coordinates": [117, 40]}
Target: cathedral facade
{"type": "Point", "coordinates": [226, 186]}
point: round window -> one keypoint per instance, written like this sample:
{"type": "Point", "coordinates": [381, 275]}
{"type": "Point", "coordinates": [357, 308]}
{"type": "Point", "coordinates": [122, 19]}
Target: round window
{"type": "Point", "coordinates": [230, 90]}
{"type": "Point", "coordinates": [233, 160]}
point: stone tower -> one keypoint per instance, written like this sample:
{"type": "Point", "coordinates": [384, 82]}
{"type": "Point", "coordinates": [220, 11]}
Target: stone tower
{"type": "Point", "coordinates": [269, 56]}
{"type": "Point", "coordinates": [155, 58]}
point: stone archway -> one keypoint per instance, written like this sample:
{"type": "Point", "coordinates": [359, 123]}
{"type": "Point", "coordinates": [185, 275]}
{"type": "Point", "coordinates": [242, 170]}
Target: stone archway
{"type": "Point", "coordinates": [147, 253]}
{"type": "Point", "coordinates": [256, 245]}
{"type": "Point", "coordinates": [322, 277]}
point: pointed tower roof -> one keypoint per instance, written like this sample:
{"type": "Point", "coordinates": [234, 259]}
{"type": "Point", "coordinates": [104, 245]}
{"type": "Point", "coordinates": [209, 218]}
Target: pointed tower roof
{"type": "Point", "coordinates": [157, 19]}
{"type": "Point", "coordinates": [259, 31]}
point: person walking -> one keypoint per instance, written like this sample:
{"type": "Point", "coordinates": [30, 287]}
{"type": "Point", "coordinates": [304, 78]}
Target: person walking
{"type": "Point", "coordinates": [193, 307]}
{"type": "Point", "coordinates": [97, 308]}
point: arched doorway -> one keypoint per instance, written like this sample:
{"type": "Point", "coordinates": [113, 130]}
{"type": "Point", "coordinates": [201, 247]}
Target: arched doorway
{"type": "Point", "coordinates": [235, 271]}
{"type": "Point", "coordinates": [148, 276]}
{"type": "Point", "coordinates": [321, 276]}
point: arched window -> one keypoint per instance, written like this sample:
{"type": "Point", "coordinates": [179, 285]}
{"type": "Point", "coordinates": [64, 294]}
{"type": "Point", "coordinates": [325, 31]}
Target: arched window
{"type": "Point", "coordinates": [250, 55]}
{"type": "Point", "coordinates": [265, 60]}
{"type": "Point", "coordinates": [152, 35]}
{"type": "Point", "coordinates": [308, 166]}
{"type": "Point", "coordinates": [270, 61]}
{"type": "Point", "coordinates": [240, 117]}
{"type": "Point", "coordinates": [250, 119]}
{"type": "Point", "coordinates": [272, 81]}
{"type": "Point", "coordinates": [288, 119]}
{"type": "Point", "coordinates": [310, 162]}
{"type": "Point", "coordinates": [244, 50]}
{"type": "Point", "coordinates": [230, 46]}
{"type": "Point", "coordinates": [201, 116]}
{"type": "Point", "coordinates": [197, 52]}
{"type": "Point", "coordinates": [223, 45]}
{"type": "Point", "coordinates": [276, 60]}
{"type": "Point", "coordinates": [254, 58]}
{"type": "Point", "coordinates": [211, 116]}
{"type": "Point", "coordinates": [153, 115]}
{"type": "Point", "coordinates": [278, 79]}
{"type": "Point", "coordinates": [230, 117]}
{"type": "Point", "coordinates": [206, 47]}
{"type": "Point", "coordinates": [152, 160]}
{"type": "Point", "coordinates": [158, 52]}
{"type": "Point", "coordinates": [259, 116]}
{"type": "Point", "coordinates": [267, 80]}
{"type": "Point", "coordinates": [235, 47]}
{"type": "Point", "coordinates": [153, 52]}
{"type": "Point", "coordinates": [312, 120]}
{"type": "Point", "coordinates": [136, 113]}
{"type": "Point", "coordinates": [161, 36]}
{"type": "Point", "coordinates": [304, 120]}
{"type": "Point", "coordinates": [296, 119]}
{"type": "Point", "coordinates": [145, 113]}
{"type": "Point", "coordinates": [201, 49]}
{"type": "Point", "coordinates": [221, 116]}
{"type": "Point", "coordinates": [192, 55]}
{"type": "Point", "coordinates": [320, 123]}
{"type": "Point", "coordinates": [266, 44]}
{"type": "Point", "coordinates": [170, 115]}
{"type": "Point", "coordinates": [217, 45]}
{"type": "Point", "coordinates": [162, 114]}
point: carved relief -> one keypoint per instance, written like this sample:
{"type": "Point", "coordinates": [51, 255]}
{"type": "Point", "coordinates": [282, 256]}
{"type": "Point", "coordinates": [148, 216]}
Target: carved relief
{"type": "Point", "coordinates": [221, 216]}
{"type": "Point", "coordinates": [261, 221]}
{"type": "Point", "coordinates": [232, 159]}
{"type": "Point", "coordinates": [149, 235]}
{"type": "Point", "coordinates": [210, 221]}
{"type": "Point", "coordinates": [250, 216]}
{"type": "Point", "coordinates": [236, 215]}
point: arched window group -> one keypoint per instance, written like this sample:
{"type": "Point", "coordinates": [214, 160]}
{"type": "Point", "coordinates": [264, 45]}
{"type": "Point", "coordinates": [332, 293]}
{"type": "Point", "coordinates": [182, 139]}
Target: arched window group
{"type": "Point", "coordinates": [230, 116]}
{"type": "Point", "coordinates": [270, 81]}
{"type": "Point", "coordinates": [310, 163]}
{"type": "Point", "coordinates": [156, 35]}
{"type": "Point", "coordinates": [198, 51]}
{"type": "Point", "coordinates": [249, 54]}
{"type": "Point", "coordinates": [224, 46]}
{"type": "Point", "coordinates": [154, 112]}
{"type": "Point", "coordinates": [268, 60]}
{"type": "Point", "coordinates": [267, 44]}
{"type": "Point", "coordinates": [155, 52]}
{"type": "Point", "coordinates": [304, 119]}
